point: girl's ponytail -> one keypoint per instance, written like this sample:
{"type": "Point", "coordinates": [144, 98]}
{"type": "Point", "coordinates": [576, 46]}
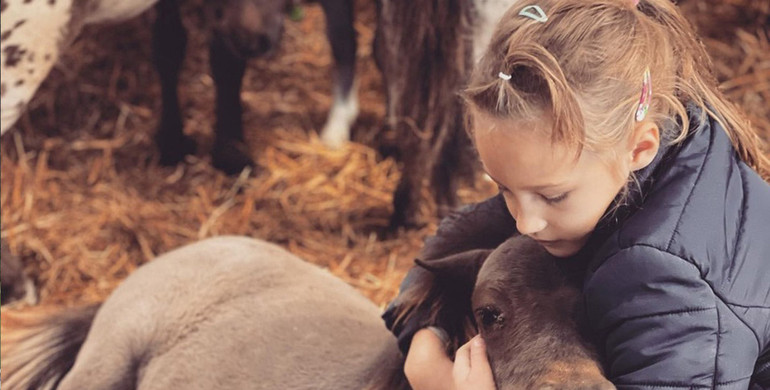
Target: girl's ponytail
{"type": "Point", "coordinates": [696, 83]}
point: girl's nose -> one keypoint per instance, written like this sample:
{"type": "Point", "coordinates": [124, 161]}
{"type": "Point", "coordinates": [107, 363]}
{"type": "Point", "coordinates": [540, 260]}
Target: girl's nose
{"type": "Point", "coordinates": [529, 224]}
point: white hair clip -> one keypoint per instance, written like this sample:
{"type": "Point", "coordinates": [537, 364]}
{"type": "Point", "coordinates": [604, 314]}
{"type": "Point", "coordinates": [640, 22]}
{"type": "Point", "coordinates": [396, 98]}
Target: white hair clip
{"type": "Point", "coordinates": [535, 13]}
{"type": "Point", "coordinates": [504, 76]}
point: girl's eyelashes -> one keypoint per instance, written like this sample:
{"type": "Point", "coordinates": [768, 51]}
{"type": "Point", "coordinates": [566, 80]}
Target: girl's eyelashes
{"type": "Point", "coordinates": [549, 200]}
{"type": "Point", "coordinates": [555, 199]}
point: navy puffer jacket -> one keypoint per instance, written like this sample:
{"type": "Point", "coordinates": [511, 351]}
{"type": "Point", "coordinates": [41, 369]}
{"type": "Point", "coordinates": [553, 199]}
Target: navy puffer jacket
{"type": "Point", "coordinates": [676, 283]}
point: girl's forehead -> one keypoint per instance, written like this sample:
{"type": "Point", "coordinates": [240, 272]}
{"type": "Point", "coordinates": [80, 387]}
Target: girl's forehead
{"type": "Point", "coordinates": [537, 125]}
{"type": "Point", "coordinates": [517, 153]}
{"type": "Point", "coordinates": [535, 130]}
{"type": "Point", "coordinates": [527, 136]}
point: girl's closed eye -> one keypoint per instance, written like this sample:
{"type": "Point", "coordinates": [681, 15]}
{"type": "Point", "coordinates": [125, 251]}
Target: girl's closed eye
{"type": "Point", "coordinates": [548, 199]}
{"type": "Point", "coordinates": [555, 199]}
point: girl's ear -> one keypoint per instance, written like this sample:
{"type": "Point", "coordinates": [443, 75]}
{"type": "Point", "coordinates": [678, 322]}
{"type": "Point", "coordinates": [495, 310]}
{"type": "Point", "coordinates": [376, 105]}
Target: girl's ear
{"type": "Point", "coordinates": [645, 142]}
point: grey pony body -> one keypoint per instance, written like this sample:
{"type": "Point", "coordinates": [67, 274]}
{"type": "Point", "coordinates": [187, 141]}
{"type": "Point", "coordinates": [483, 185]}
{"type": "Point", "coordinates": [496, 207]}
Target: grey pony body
{"type": "Point", "coordinates": [236, 313]}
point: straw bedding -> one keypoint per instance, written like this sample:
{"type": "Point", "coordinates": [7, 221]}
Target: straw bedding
{"type": "Point", "coordinates": [84, 201]}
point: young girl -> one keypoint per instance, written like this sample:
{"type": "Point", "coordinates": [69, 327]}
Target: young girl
{"type": "Point", "coordinates": [603, 126]}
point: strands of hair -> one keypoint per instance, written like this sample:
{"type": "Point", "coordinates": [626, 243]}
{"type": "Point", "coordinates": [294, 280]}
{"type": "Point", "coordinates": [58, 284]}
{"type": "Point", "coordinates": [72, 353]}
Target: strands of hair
{"type": "Point", "coordinates": [577, 70]}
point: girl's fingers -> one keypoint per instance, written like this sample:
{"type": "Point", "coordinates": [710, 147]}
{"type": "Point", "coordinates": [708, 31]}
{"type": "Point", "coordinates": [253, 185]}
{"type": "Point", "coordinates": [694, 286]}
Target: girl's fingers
{"type": "Point", "coordinates": [479, 361]}
{"type": "Point", "coordinates": [462, 366]}
{"type": "Point", "coordinates": [471, 369]}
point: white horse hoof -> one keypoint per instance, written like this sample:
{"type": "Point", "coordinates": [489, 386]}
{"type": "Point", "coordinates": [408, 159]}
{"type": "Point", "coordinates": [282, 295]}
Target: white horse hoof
{"type": "Point", "coordinates": [30, 296]}
{"type": "Point", "coordinates": [343, 113]}
{"type": "Point", "coordinates": [334, 138]}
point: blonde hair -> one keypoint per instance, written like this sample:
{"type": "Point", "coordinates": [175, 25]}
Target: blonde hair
{"type": "Point", "coordinates": [584, 69]}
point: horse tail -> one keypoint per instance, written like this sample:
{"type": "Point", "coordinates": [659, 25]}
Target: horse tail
{"type": "Point", "coordinates": [40, 347]}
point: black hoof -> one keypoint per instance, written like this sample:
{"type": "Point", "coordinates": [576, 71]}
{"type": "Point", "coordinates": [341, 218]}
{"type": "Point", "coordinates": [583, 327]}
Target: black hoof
{"type": "Point", "coordinates": [231, 157]}
{"type": "Point", "coordinates": [173, 152]}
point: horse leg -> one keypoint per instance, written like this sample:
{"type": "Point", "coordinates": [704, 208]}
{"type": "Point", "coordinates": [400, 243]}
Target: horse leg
{"type": "Point", "coordinates": [342, 37]}
{"type": "Point", "coordinates": [406, 198]}
{"type": "Point", "coordinates": [169, 42]}
{"type": "Point", "coordinates": [110, 370]}
{"type": "Point", "coordinates": [378, 50]}
{"type": "Point", "coordinates": [444, 184]}
{"type": "Point", "coordinates": [455, 163]}
{"type": "Point", "coordinates": [228, 154]}
{"type": "Point", "coordinates": [107, 358]}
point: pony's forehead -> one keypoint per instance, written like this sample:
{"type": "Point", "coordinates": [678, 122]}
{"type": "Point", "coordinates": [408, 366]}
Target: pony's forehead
{"type": "Point", "coordinates": [502, 258]}
{"type": "Point", "coordinates": [515, 253]}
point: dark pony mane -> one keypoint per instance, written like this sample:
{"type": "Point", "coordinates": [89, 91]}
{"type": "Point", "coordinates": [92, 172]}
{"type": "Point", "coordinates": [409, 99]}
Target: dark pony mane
{"type": "Point", "coordinates": [424, 105]}
{"type": "Point", "coordinates": [445, 309]}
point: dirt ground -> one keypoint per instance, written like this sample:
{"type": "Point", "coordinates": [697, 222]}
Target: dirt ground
{"type": "Point", "coordinates": [84, 201]}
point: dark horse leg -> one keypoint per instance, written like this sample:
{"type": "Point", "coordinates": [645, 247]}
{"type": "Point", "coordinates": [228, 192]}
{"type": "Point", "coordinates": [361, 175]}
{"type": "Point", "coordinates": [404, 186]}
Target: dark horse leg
{"type": "Point", "coordinates": [228, 154]}
{"type": "Point", "coordinates": [455, 163]}
{"type": "Point", "coordinates": [425, 52]}
{"type": "Point", "coordinates": [168, 49]}
{"type": "Point", "coordinates": [406, 198]}
{"type": "Point", "coordinates": [342, 38]}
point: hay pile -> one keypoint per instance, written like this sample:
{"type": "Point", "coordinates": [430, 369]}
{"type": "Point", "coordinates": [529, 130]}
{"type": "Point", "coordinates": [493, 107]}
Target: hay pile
{"type": "Point", "coordinates": [84, 201]}
{"type": "Point", "coordinates": [737, 36]}
{"type": "Point", "coordinates": [87, 226]}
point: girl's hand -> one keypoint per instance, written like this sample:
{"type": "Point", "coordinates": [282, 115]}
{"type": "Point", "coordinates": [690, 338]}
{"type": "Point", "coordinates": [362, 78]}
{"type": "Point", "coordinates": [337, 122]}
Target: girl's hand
{"type": "Point", "coordinates": [471, 368]}
{"type": "Point", "coordinates": [428, 367]}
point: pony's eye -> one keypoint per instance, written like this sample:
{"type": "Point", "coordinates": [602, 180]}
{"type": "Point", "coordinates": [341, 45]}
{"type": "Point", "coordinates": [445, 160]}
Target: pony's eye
{"type": "Point", "coordinates": [490, 316]}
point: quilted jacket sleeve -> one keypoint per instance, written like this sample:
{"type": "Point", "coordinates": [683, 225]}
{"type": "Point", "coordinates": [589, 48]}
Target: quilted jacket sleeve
{"type": "Point", "coordinates": [659, 320]}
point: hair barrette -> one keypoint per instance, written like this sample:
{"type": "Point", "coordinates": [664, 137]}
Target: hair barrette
{"type": "Point", "coordinates": [644, 100]}
{"type": "Point", "coordinates": [535, 13]}
{"type": "Point", "coordinates": [504, 76]}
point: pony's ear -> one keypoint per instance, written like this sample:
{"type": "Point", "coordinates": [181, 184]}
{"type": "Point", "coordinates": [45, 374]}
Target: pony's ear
{"type": "Point", "coordinates": [458, 270]}
{"type": "Point", "coordinates": [454, 278]}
